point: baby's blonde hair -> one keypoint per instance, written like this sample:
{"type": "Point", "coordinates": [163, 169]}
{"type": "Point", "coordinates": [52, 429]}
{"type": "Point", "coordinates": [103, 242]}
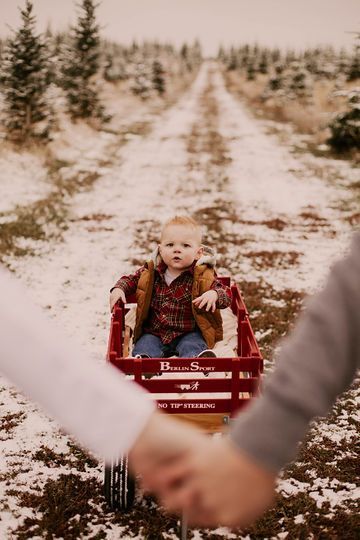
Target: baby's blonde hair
{"type": "Point", "coordinates": [185, 221]}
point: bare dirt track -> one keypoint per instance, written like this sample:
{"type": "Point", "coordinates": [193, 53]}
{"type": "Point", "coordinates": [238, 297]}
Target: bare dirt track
{"type": "Point", "coordinates": [277, 220]}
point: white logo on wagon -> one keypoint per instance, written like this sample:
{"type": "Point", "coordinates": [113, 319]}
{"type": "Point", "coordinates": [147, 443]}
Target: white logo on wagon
{"type": "Point", "coordinates": [194, 366]}
{"type": "Point", "coordinates": [193, 385]}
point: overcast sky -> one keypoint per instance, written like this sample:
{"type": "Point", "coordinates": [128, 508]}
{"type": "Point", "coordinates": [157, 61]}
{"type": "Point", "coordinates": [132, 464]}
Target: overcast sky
{"type": "Point", "coordinates": [285, 23]}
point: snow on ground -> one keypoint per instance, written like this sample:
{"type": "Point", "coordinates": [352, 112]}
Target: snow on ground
{"type": "Point", "coordinates": [24, 175]}
{"type": "Point", "coordinates": [138, 188]}
{"type": "Point", "coordinates": [269, 183]}
{"type": "Point", "coordinates": [72, 280]}
{"type": "Point", "coordinates": [23, 179]}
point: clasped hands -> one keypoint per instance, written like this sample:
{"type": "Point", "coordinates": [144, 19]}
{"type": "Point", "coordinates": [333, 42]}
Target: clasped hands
{"type": "Point", "coordinates": [209, 478]}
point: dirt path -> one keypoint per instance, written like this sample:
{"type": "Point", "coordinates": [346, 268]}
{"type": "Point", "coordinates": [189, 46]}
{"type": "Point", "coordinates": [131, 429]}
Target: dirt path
{"type": "Point", "coordinates": [276, 227]}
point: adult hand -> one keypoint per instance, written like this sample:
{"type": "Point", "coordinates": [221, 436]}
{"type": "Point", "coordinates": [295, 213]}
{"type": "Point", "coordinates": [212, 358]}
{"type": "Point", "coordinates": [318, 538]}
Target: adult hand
{"type": "Point", "coordinates": [165, 446]}
{"type": "Point", "coordinates": [220, 485]}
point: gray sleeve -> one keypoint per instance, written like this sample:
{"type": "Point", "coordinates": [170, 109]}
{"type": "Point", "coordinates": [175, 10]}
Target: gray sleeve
{"type": "Point", "coordinates": [316, 363]}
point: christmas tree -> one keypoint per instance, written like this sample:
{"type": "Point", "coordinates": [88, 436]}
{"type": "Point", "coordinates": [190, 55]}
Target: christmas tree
{"type": "Point", "coordinates": [24, 79]}
{"type": "Point", "coordinates": [158, 78]}
{"type": "Point", "coordinates": [354, 68]}
{"type": "Point", "coordinates": [141, 84]}
{"type": "Point", "coordinates": [81, 64]}
{"type": "Point", "coordinates": [345, 128]}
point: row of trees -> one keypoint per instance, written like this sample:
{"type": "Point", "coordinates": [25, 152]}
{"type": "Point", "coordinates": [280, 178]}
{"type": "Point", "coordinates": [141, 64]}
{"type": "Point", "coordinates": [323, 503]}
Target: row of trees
{"type": "Point", "coordinates": [292, 76]}
{"type": "Point", "coordinates": [27, 74]}
{"type": "Point", "coordinates": [34, 67]}
{"type": "Point", "coordinates": [320, 62]}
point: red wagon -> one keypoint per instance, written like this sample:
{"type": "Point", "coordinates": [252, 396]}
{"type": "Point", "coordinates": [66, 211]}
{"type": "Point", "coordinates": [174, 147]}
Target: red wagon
{"type": "Point", "coordinates": [203, 407]}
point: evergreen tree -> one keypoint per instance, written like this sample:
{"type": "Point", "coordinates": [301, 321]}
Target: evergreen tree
{"type": "Point", "coordinates": [276, 81]}
{"type": "Point", "coordinates": [158, 78]}
{"type": "Point", "coordinates": [81, 64]}
{"type": "Point", "coordinates": [345, 128]}
{"type": "Point", "coordinates": [24, 79]}
{"type": "Point", "coordinates": [263, 64]}
{"type": "Point", "coordinates": [251, 73]}
{"type": "Point", "coordinates": [354, 68]}
{"type": "Point", "coordinates": [141, 84]}
{"type": "Point", "coordinates": [233, 60]}
{"type": "Point", "coordinates": [298, 82]}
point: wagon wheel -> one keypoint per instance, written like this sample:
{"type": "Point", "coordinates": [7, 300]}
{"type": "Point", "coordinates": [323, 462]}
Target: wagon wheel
{"type": "Point", "coordinates": [119, 485]}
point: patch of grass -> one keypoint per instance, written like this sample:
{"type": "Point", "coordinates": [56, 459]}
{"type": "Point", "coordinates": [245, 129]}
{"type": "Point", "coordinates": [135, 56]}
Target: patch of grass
{"type": "Point", "coordinates": [94, 217]}
{"type": "Point", "coordinates": [75, 457]}
{"type": "Point", "coordinates": [312, 217]}
{"type": "Point", "coordinates": [54, 165]}
{"type": "Point", "coordinates": [204, 137]}
{"type": "Point", "coordinates": [42, 220]}
{"type": "Point", "coordinates": [138, 128]}
{"type": "Point", "coordinates": [10, 421]}
{"type": "Point", "coordinates": [272, 259]}
{"type": "Point", "coordinates": [147, 519]}
{"type": "Point", "coordinates": [318, 523]}
{"type": "Point", "coordinates": [276, 223]}
{"type": "Point", "coordinates": [83, 458]}
{"type": "Point", "coordinates": [278, 319]}
{"type": "Point", "coordinates": [65, 508]}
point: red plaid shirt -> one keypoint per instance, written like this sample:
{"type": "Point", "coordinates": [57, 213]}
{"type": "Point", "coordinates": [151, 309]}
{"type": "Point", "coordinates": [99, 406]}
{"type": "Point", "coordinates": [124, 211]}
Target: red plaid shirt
{"type": "Point", "coordinates": [170, 313]}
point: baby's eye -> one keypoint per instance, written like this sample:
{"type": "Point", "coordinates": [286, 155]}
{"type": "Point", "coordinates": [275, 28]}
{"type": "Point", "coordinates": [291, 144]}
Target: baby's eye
{"type": "Point", "coordinates": [187, 245]}
{"type": "Point", "coordinates": [170, 244]}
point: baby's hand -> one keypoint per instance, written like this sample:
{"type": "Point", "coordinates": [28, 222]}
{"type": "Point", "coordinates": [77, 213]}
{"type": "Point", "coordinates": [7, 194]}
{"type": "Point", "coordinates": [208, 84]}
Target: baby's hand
{"type": "Point", "coordinates": [207, 300]}
{"type": "Point", "coordinates": [115, 295]}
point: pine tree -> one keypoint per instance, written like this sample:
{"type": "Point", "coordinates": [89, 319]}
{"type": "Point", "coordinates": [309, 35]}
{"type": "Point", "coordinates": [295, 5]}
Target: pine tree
{"type": "Point", "coordinates": [81, 64]}
{"type": "Point", "coordinates": [141, 83]}
{"type": "Point", "coordinates": [354, 68]}
{"type": "Point", "coordinates": [24, 82]}
{"type": "Point", "coordinates": [263, 64]}
{"type": "Point", "coordinates": [276, 80]}
{"type": "Point", "coordinates": [158, 78]}
{"type": "Point", "coordinates": [345, 128]}
{"type": "Point", "coordinates": [299, 83]}
{"type": "Point", "coordinates": [233, 60]}
{"type": "Point", "coordinates": [251, 74]}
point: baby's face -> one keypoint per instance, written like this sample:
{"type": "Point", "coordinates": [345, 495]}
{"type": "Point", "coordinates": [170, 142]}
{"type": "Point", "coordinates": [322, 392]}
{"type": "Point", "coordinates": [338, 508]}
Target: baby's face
{"type": "Point", "coordinates": [179, 247]}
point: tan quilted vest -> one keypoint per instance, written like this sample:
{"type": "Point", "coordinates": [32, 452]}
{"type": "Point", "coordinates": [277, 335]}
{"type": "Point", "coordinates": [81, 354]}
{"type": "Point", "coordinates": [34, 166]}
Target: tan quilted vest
{"type": "Point", "coordinates": [210, 324]}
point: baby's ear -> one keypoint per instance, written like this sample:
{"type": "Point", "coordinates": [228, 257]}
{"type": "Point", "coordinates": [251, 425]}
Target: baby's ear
{"type": "Point", "coordinates": [199, 253]}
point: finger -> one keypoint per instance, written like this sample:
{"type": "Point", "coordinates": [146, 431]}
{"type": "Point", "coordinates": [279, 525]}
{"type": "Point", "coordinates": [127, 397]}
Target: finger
{"type": "Point", "coordinates": [182, 499]}
{"type": "Point", "coordinates": [197, 515]}
{"type": "Point", "coordinates": [165, 479]}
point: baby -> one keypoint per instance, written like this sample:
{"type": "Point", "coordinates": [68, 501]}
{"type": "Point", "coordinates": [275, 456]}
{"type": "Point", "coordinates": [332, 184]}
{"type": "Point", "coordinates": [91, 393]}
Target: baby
{"type": "Point", "coordinates": [178, 296]}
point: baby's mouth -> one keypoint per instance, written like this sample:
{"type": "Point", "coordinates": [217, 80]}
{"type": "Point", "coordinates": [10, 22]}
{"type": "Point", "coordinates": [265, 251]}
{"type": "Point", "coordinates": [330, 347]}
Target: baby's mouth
{"type": "Point", "coordinates": [177, 259]}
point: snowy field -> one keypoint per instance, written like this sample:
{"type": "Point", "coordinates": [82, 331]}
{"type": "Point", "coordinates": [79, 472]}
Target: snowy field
{"type": "Point", "coordinates": [278, 225]}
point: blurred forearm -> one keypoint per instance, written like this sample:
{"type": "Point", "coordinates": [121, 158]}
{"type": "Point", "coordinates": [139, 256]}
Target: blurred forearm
{"type": "Point", "coordinates": [316, 363]}
{"type": "Point", "coordinates": [95, 403]}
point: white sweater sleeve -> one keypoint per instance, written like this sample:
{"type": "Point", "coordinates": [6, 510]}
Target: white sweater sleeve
{"type": "Point", "coordinates": [94, 402]}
